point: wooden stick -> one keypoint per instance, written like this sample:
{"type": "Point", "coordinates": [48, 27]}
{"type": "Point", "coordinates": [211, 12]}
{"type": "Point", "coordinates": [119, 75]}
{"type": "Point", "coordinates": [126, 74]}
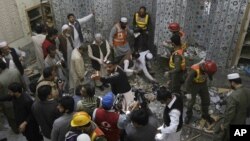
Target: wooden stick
{"type": "Point", "coordinates": [194, 137]}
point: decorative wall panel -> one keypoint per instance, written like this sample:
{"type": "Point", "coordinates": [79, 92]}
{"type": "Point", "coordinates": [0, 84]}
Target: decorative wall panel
{"type": "Point", "coordinates": [212, 25]}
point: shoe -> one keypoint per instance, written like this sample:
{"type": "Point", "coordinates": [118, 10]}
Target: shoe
{"type": "Point", "coordinates": [187, 120]}
{"type": "Point", "coordinates": [101, 88]}
{"type": "Point", "coordinates": [4, 139]}
{"type": "Point", "coordinates": [105, 85]}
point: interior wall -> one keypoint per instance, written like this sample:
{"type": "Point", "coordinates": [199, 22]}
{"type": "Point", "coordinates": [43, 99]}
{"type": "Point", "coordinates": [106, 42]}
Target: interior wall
{"type": "Point", "coordinates": [209, 24]}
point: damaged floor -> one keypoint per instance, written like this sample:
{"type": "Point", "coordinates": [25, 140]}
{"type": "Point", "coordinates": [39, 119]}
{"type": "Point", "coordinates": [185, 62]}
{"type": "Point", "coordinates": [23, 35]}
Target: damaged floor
{"type": "Point", "coordinates": [190, 132]}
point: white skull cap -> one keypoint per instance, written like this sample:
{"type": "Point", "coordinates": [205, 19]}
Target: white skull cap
{"type": "Point", "coordinates": [3, 44]}
{"type": "Point", "coordinates": [64, 27]}
{"type": "Point", "coordinates": [233, 76]}
{"type": "Point", "coordinates": [98, 35]}
{"type": "Point", "coordinates": [124, 19]}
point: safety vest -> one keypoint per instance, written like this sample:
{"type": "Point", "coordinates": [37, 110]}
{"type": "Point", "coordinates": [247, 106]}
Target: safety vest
{"type": "Point", "coordinates": [120, 37]}
{"type": "Point", "coordinates": [183, 61]}
{"type": "Point", "coordinates": [141, 22]}
{"type": "Point", "coordinates": [96, 133]}
{"type": "Point", "coordinates": [200, 78]}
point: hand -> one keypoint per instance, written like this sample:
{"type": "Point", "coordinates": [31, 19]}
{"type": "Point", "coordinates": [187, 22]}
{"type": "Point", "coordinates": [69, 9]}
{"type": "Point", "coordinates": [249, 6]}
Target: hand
{"type": "Point", "coordinates": [61, 85]}
{"type": "Point", "coordinates": [95, 77]}
{"type": "Point", "coordinates": [222, 127]}
{"type": "Point", "coordinates": [166, 74]}
{"type": "Point", "coordinates": [21, 58]}
{"type": "Point", "coordinates": [134, 106]}
{"type": "Point", "coordinates": [22, 126]}
{"type": "Point", "coordinates": [153, 81]}
{"type": "Point", "coordinates": [100, 61]}
{"type": "Point", "coordinates": [58, 63]}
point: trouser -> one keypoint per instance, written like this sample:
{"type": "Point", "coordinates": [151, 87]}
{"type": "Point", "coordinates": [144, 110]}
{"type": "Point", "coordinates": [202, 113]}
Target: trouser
{"type": "Point", "coordinates": [32, 132]}
{"type": "Point", "coordinates": [176, 81]}
{"type": "Point", "coordinates": [202, 90]}
{"type": "Point", "coordinates": [168, 137]}
{"type": "Point", "coordinates": [141, 42]}
{"type": "Point", "coordinates": [128, 99]}
{"type": "Point", "coordinates": [7, 108]}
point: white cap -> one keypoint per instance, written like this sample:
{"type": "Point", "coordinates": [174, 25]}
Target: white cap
{"type": "Point", "coordinates": [124, 19]}
{"type": "Point", "coordinates": [98, 35]}
{"type": "Point", "coordinates": [83, 137]}
{"type": "Point", "coordinates": [3, 44]}
{"type": "Point", "coordinates": [149, 56]}
{"type": "Point", "coordinates": [233, 76]}
{"type": "Point", "coordinates": [64, 27]}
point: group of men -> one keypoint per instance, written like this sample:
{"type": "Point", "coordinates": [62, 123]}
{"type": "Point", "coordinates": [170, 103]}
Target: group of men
{"type": "Point", "coordinates": [82, 116]}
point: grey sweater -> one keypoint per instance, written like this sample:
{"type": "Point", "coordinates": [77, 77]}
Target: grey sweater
{"type": "Point", "coordinates": [60, 127]}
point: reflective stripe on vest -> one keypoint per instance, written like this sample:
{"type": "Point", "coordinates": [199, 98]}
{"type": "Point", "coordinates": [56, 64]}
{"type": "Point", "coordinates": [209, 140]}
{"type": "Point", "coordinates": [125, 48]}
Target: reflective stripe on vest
{"type": "Point", "coordinates": [200, 78]}
{"type": "Point", "coordinates": [141, 22]}
{"type": "Point", "coordinates": [96, 133]}
{"type": "Point", "coordinates": [183, 61]}
{"type": "Point", "coordinates": [120, 37]}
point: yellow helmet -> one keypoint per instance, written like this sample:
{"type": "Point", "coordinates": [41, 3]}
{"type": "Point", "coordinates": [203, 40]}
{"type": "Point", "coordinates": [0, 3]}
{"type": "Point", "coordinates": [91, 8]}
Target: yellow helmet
{"type": "Point", "coordinates": [80, 119]}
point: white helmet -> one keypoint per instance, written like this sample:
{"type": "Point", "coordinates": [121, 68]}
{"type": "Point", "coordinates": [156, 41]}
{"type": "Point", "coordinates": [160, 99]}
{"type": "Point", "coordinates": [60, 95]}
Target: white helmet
{"type": "Point", "coordinates": [83, 137]}
{"type": "Point", "coordinates": [149, 56]}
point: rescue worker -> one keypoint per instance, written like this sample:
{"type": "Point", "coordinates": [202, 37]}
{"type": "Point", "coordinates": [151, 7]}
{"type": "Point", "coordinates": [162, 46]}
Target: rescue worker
{"type": "Point", "coordinates": [177, 65]}
{"type": "Point", "coordinates": [175, 29]}
{"type": "Point", "coordinates": [196, 83]}
{"type": "Point", "coordinates": [118, 38]}
{"type": "Point", "coordinates": [107, 118]}
{"type": "Point", "coordinates": [82, 123]}
{"type": "Point", "coordinates": [236, 108]}
{"type": "Point", "coordinates": [141, 26]}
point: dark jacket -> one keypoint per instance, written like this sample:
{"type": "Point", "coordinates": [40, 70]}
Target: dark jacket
{"type": "Point", "coordinates": [178, 104]}
{"type": "Point", "coordinates": [45, 113]}
{"type": "Point", "coordinates": [78, 29]}
{"type": "Point", "coordinates": [63, 45]}
{"type": "Point", "coordinates": [17, 61]}
{"type": "Point", "coordinates": [118, 81]}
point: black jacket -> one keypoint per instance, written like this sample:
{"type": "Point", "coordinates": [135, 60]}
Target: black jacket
{"type": "Point", "coordinates": [118, 81]}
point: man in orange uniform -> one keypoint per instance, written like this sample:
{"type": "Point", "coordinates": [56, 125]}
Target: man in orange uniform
{"type": "Point", "coordinates": [177, 65]}
{"type": "Point", "coordinates": [118, 38]}
{"type": "Point", "coordinates": [196, 83]}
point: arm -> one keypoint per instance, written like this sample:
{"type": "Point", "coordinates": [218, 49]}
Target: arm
{"type": "Point", "coordinates": [20, 53]}
{"type": "Point", "coordinates": [55, 133]}
{"type": "Point", "coordinates": [126, 69]}
{"type": "Point", "coordinates": [85, 19]}
{"type": "Point", "coordinates": [111, 35]}
{"type": "Point", "coordinates": [230, 112]}
{"type": "Point", "coordinates": [108, 50]}
{"type": "Point", "coordinates": [146, 73]}
{"type": "Point", "coordinates": [174, 117]}
{"type": "Point", "coordinates": [5, 98]}
{"type": "Point", "coordinates": [79, 68]}
{"type": "Point", "coordinates": [177, 63]}
{"type": "Point", "coordinates": [109, 79]}
{"type": "Point", "coordinates": [90, 53]}
{"type": "Point", "coordinates": [189, 80]}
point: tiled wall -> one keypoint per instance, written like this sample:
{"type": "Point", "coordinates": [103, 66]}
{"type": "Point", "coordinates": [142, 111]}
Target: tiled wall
{"type": "Point", "coordinates": [212, 25]}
